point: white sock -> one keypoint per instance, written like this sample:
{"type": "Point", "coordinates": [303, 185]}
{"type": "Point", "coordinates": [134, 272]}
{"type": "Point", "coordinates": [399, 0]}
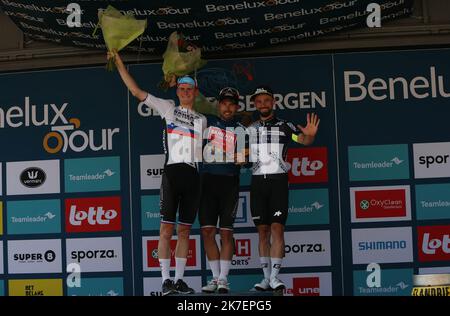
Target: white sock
{"type": "Point", "coordinates": [276, 266]}
{"type": "Point", "coordinates": [224, 269]}
{"type": "Point", "coordinates": [215, 268]}
{"type": "Point", "coordinates": [265, 265]}
{"type": "Point", "coordinates": [180, 264]}
{"type": "Point", "coordinates": [165, 268]}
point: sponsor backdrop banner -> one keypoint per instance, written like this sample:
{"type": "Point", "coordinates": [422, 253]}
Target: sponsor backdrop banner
{"type": "Point", "coordinates": [80, 179]}
{"type": "Point", "coordinates": [218, 26]}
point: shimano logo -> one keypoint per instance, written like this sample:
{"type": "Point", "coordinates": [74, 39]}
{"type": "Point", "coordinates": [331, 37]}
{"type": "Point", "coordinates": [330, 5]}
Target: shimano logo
{"type": "Point", "coordinates": [358, 88]}
{"type": "Point", "coordinates": [382, 245]}
{"type": "Point", "coordinates": [93, 254]}
{"type": "Point", "coordinates": [33, 177]}
{"type": "Point", "coordinates": [302, 248]}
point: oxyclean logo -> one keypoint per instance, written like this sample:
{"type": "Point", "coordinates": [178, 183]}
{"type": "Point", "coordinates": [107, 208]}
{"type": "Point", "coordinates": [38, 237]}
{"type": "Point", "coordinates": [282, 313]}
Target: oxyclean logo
{"type": "Point", "coordinates": [36, 287]}
{"type": "Point", "coordinates": [382, 245]}
{"type": "Point", "coordinates": [33, 217]}
{"type": "Point", "coordinates": [150, 253]}
{"type": "Point", "coordinates": [433, 201]}
{"type": "Point", "coordinates": [98, 287]}
{"type": "Point", "coordinates": [92, 174]}
{"type": "Point", "coordinates": [379, 162]}
{"type": "Point", "coordinates": [380, 204]}
{"type": "Point", "coordinates": [32, 177]}
{"type": "Point", "coordinates": [431, 160]}
{"type": "Point", "coordinates": [389, 282]}
{"type": "Point", "coordinates": [308, 207]}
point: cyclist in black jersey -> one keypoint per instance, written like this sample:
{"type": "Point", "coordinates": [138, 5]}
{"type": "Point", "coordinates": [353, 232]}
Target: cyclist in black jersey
{"type": "Point", "coordinates": [180, 187]}
{"type": "Point", "coordinates": [269, 193]}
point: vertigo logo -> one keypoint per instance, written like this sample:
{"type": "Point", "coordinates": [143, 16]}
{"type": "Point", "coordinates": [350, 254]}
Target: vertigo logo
{"type": "Point", "coordinates": [93, 214]}
{"type": "Point", "coordinates": [33, 177]}
{"type": "Point", "coordinates": [68, 137]}
{"type": "Point", "coordinates": [308, 165]}
{"type": "Point", "coordinates": [306, 286]}
{"type": "Point", "coordinates": [434, 243]}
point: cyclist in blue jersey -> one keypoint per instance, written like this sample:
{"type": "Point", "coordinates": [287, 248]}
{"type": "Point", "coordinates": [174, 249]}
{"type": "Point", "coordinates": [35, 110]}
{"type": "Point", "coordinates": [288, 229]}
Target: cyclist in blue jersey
{"type": "Point", "coordinates": [269, 192]}
{"type": "Point", "coordinates": [220, 188]}
{"type": "Point", "coordinates": [180, 187]}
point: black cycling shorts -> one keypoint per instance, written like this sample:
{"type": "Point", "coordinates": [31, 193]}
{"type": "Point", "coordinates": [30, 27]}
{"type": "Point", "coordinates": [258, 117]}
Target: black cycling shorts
{"type": "Point", "coordinates": [180, 189]}
{"type": "Point", "coordinates": [269, 199]}
{"type": "Point", "coordinates": [220, 196]}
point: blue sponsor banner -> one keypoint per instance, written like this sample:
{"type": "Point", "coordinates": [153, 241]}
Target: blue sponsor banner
{"type": "Point", "coordinates": [150, 213]}
{"type": "Point", "coordinates": [394, 282]}
{"type": "Point", "coordinates": [2, 288]}
{"type": "Point", "coordinates": [308, 207]}
{"type": "Point", "coordinates": [433, 201]}
{"type": "Point", "coordinates": [378, 162]}
{"type": "Point", "coordinates": [33, 217]}
{"type": "Point", "coordinates": [92, 174]}
{"type": "Point", "coordinates": [244, 283]}
{"type": "Point", "coordinates": [245, 177]}
{"type": "Point", "coordinates": [98, 287]}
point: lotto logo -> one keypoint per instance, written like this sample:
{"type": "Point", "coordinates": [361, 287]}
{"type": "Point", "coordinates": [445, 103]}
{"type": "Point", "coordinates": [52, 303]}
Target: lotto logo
{"type": "Point", "coordinates": [93, 214]}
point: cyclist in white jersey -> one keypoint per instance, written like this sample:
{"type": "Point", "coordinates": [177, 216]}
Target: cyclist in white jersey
{"type": "Point", "coordinates": [180, 187]}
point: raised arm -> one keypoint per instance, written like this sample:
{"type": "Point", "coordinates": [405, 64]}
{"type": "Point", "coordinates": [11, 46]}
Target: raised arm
{"type": "Point", "coordinates": [308, 133]}
{"type": "Point", "coordinates": [126, 77]}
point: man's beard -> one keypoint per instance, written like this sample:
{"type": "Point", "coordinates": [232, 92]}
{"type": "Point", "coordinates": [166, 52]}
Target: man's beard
{"type": "Point", "coordinates": [266, 114]}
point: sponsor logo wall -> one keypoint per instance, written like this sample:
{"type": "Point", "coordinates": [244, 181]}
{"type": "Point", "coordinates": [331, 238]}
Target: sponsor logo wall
{"type": "Point", "coordinates": [79, 180]}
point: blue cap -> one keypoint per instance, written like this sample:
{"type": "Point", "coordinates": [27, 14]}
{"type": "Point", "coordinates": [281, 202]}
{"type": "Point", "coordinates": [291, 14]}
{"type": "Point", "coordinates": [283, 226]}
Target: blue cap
{"type": "Point", "coordinates": [188, 80]}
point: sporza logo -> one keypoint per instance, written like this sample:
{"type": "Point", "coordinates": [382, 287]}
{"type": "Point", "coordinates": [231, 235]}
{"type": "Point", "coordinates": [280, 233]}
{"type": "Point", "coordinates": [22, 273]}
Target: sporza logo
{"type": "Point", "coordinates": [431, 160]}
